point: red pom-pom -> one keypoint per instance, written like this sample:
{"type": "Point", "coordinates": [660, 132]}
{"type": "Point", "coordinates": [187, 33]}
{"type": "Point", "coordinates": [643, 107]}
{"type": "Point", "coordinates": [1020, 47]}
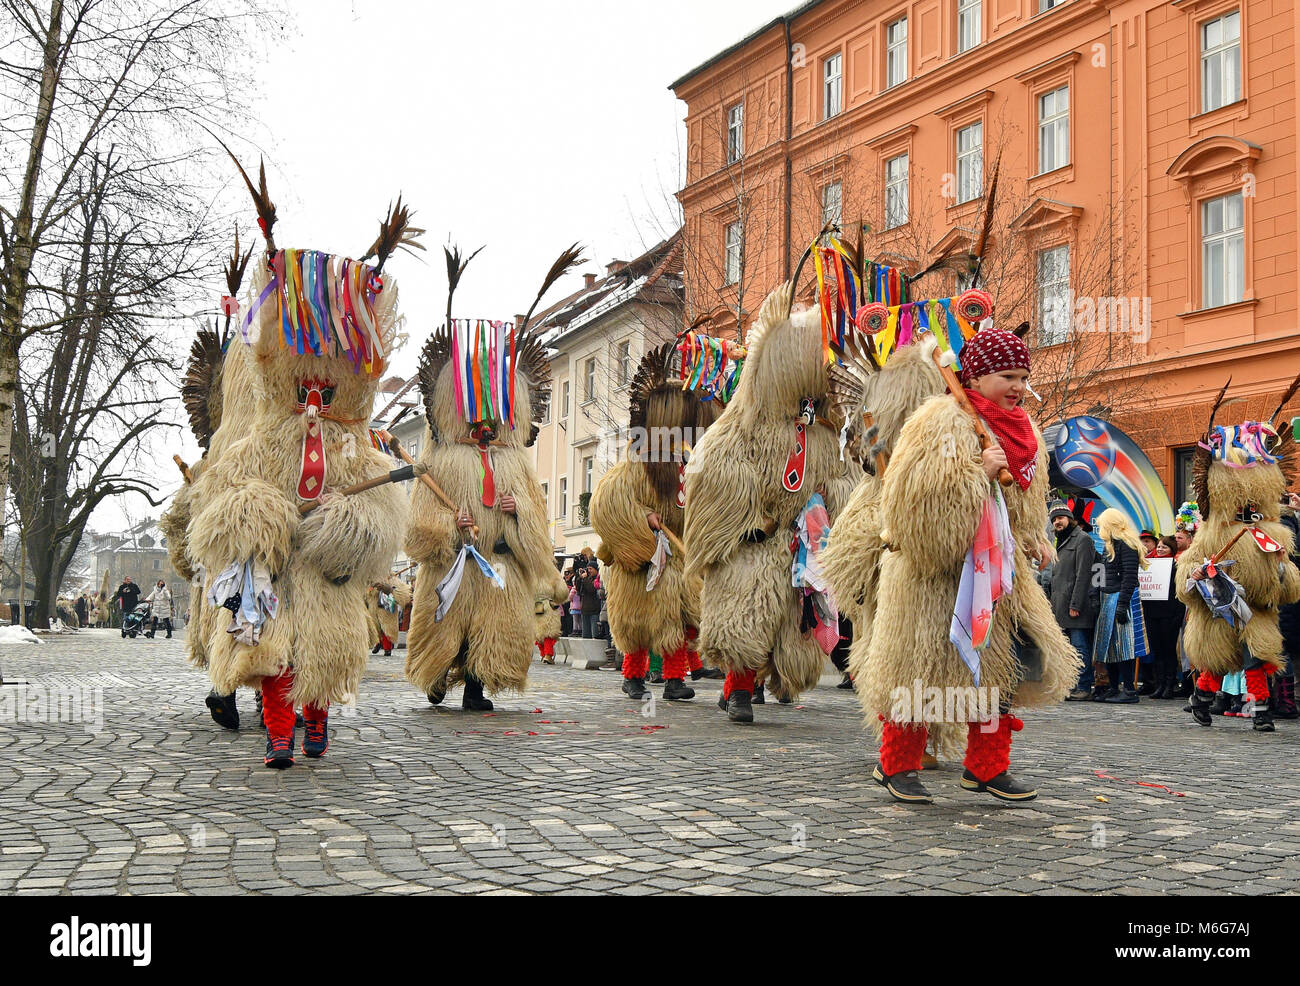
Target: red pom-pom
{"type": "Point", "coordinates": [975, 305]}
{"type": "Point", "coordinates": [872, 318]}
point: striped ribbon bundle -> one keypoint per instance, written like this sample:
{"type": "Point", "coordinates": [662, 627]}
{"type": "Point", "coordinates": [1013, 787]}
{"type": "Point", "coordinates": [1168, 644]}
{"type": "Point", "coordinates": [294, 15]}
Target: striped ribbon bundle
{"type": "Point", "coordinates": [483, 354]}
{"type": "Point", "coordinates": [377, 441]}
{"type": "Point", "coordinates": [841, 293]}
{"type": "Point", "coordinates": [896, 326]}
{"type": "Point", "coordinates": [326, 307]}
{"type": "Point", "coordinates": [711, 365]}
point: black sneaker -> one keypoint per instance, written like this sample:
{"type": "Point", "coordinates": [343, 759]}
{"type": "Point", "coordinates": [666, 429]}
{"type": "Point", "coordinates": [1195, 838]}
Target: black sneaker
{"type": "Point", "coordinates": [907, 787]}
{"type": "Point", "coordinates": [1124, 696]}
{"type": "Point", "coordinates": [846, 683]}
{"type": "Point", "coordinates": [1200, 707]}
{"type": "Point", "coordinates": [224, 711]}
{"type": "Point", "coordinates": [473, 699]}
{"type": "Point", "coordinates": [635, 688]}
{"type": "Point", "coordinates": [737, 707]}
{"type": "Point", "coordinates": [1004, 787]}
{"type": "Point", "coordinates": [437, 693]}
{"type": "Point", "coordinates": [375, 649]}
{"type": "Point", "coordinates": [317, 739]}
{"type": "Point", "coordinates": [279, 751]}
{"type": "Point", "coordinates": [675, 690]}
{"type": "Point", "coordinates": [760, 697]}
{"type": "Point", "coordinates": [1263, 721]}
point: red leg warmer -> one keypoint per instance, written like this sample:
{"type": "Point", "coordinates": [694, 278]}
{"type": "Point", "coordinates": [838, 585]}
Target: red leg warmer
{"type": "Point", "coordinates": [636, 664]}
{"type": "Point", "coordinates": [1257, 685]}
{"type": "Point", "coordinates": [547, 647]}
{"type": "Point", "coordinates": [676, 665]}
{"type": "Point", "coordinates": [1209, 682]}
{"type": "Point", "coordinates": [277, 707]}
{"type": "Point", "coordinates": [901, 746]}
{"type": "Point", "coordinates": [386, 642]}
{"type": "Point", "coordinates": [315, 713]}
{"type": "Point", "coordinates": [737, 682]}
{"type": "Point", "coordinates": [693, 660]}
{"type": "Point", "coordinates": [989, 753]}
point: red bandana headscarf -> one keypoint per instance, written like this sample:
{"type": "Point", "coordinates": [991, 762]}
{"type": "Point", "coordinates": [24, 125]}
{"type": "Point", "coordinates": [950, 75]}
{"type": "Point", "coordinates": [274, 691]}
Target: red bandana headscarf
{"type": "Point", "coordinates": [993, 351]}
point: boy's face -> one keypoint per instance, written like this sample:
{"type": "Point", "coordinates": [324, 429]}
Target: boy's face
{"type": "Point", "coordinates": [1006, 389]}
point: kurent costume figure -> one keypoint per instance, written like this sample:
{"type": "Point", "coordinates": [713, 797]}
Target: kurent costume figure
{"type": "Point", "coordinates": [767, 476]}
{"type": "Point", "coordinates": [551, 594]}
{"type": "Point", "coordinates": [384, 604]}
{"type": "Point", "coordinates": [638, 510]}
{"type": "Point", "coordinates": [483, 553]}
{"type": "Point", "coordinates": [282, 547]}
{"type": "Point", "coordinates": [1237, 571]}
{"type": "Point", "coordinates": [950, 597]}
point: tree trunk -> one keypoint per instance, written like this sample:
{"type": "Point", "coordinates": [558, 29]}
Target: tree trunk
{"type": "Point", "coordinates": [23, 238]}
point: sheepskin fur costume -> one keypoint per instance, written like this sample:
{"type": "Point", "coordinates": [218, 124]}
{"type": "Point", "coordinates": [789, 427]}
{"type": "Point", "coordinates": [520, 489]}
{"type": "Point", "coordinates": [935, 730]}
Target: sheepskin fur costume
{"type": "Point", "coordinates": [663, 418]}
{"type": "Point", "coordinates": [739, 516]}
{"type": "Point", "coordinates": [930, 505]}
{"type": "Point", "coordinates": [382, 622]}
{"type": "Point", "coordinates": [488, 632]}
{"type": "Point", "coordinates": [245, 506]}
{"type": "Point", "coordinates": [551, 594]}
{"type": "Point", "coordinates": [1268, 579]}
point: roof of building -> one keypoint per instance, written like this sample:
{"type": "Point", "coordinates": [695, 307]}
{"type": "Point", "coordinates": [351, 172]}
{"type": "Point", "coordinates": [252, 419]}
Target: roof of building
{"type": "Point", "coordinates": [785, 18]}
{"type": "Point", "coordinates": [655, 277]}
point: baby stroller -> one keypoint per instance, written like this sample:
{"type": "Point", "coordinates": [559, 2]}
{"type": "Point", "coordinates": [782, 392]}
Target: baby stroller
{"type": "Point", "coordinates": [133, 622]}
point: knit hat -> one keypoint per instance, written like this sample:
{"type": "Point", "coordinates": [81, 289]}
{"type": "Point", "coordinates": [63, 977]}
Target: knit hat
{"type": "Point", "coordinates": [1057, 508]}
{"type": "Point", "coordinates": [992, 351]}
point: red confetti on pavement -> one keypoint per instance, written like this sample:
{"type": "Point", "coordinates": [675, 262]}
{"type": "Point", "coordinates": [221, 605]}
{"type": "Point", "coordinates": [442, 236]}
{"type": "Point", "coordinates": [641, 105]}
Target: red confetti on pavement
{"type": "Point", "coordinates": [1159, 787]}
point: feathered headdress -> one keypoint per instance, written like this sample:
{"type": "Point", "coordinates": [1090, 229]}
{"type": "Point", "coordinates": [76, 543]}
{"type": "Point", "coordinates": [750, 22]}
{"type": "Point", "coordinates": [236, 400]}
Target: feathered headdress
{"type": "Point", "coordinates": [201, 385]}
{"type": "Point", "coordinates": [526, 353]}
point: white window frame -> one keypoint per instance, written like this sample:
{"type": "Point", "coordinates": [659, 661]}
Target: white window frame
{"type": "Point", "coordinates": [624, 362]}
{"type": "Point", "coordinates": [1228, 244]}
{"type": "Point", "coordinates": [832, 203]}
{"type": "Point", "coordinates": [896, 191]}
{"type": "Point", "coordinates": [564, 499]}
{"type": "Point", "coordinates": [1221, 63]}
{"type": "Point", "coordinates": [733, 250]}
{"type": "Point", "coordinates": [588, 472]}
{"type": "Point", "coordinates": [564, 402]}
{"type": "Point", "coordinates": [735, 133]}
{"type": "Point", "coordinates": [589, 380]}
{"type": "Point", "coordinates": [1053, 129]}
{"type": "Point", "coordinates": [832, 86]}
{"type": "Point", "coordinates": [970, 24]}
{"type": "Point", "coordinates": [896, 53]}
{"type": "Point", "coordinates": [1045, 5]}
{"type": "Point", "coordinates": [1052, 285]}
{"type": "Point", "coordinates": [970, 162]}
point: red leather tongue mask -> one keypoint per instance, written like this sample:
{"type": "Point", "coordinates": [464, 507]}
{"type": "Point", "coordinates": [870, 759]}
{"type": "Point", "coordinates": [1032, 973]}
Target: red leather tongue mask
{"type": "Point", "coordinates": [313, 399]}
{"type": "Point", "coordinates": [483, 436]}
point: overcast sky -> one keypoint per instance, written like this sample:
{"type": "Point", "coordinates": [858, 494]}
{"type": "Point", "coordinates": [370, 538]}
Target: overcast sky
{"type": "Point", "coordinates": [520, 126]}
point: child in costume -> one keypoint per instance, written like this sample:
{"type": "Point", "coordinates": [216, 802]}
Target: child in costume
{"type": "Point", "coordinates": [762, 488]}
{"type": "Point", "coordinates": [384, 604]}
{"type": "Point", "coordinates": [1237, 571]}
{"type": "Point", "coordinates": [282, 548]}
{"type": "Point", "coordinates": [1124, 554]}
{"type": "Point", "coordinates": [638, 510]}
{"type": "Point", "coordinates": [550, 595]}
{"type": "Point", "coordinates": [483, 549]}
{"type": "Point", "coordinates": [952, 596]}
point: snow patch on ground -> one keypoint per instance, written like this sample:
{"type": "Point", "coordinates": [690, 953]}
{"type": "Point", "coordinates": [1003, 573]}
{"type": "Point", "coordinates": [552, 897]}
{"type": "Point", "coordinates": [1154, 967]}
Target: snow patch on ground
{"type": "Point", "coordinates": [18, 635]}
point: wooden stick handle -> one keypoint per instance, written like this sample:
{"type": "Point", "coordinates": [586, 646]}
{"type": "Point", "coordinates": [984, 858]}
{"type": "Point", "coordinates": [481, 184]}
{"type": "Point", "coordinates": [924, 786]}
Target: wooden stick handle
{"type": "Point", "coordinates": [959, 395]}
{"type": "Point", "coordinates": [396, 476]}
{"type": "Point", "coordinates": [395, 444]}
{"type": "Point", "coordinates": [185, 470]}
{"type": "Point", "coordinates": [1214, 560]}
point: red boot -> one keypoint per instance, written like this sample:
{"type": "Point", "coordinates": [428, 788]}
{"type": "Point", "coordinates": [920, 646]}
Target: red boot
{"type": "Point", "coordinates": [1257, 689]}
{"type": "Point", "coordinates": [988, 757]}
{"type": "Point", "coordinates": [278, 715]}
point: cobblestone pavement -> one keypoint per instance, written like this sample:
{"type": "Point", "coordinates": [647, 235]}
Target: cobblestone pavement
{"type": "Point", "coordinates": [571, 789]}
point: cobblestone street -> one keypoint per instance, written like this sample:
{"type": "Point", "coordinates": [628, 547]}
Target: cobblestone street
{"type": "Point", "coordinates": [571, 789]}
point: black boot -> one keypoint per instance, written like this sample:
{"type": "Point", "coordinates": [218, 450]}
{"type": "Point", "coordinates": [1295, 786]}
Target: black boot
{"type": "Point", "coordinates": [1219, 704]}
{"type": "Point", "coordinates": [1126, 695]}
{"type": "Point", "coordinates": [1201, 702]}
{"type": "Point", "coordinates": [905, 786]}
{"type": "Point", "coordinates": [759, 697]}
{"type": "Point", "coordinates": [473, 700]}
{"type": "Point", "coordinates": [699, 673]}
{"type": "Point", "coordinates": [1284, 705]}
{"type": "Point", "coordinates": [438, 692]}
{"type": "Point", "coordinates": [1263, 720]}
{"type": "Point", "coordinates": [224, 711]}
{"type": "Point", "coordinates": [1004, 787]}
{"type": "Point", "coordinates": [737, 707]}
{"type": "Point", "coordinates": [675, 690]}
{"type": "Point", "coordinates": [635, 688]}
{"type": "Point", "coordinates": [375, 649]}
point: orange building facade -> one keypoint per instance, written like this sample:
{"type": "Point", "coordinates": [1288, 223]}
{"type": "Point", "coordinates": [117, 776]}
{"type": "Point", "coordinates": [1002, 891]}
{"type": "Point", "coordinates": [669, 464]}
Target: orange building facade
{"type": "Point", "coordinates": [1147, 184]}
